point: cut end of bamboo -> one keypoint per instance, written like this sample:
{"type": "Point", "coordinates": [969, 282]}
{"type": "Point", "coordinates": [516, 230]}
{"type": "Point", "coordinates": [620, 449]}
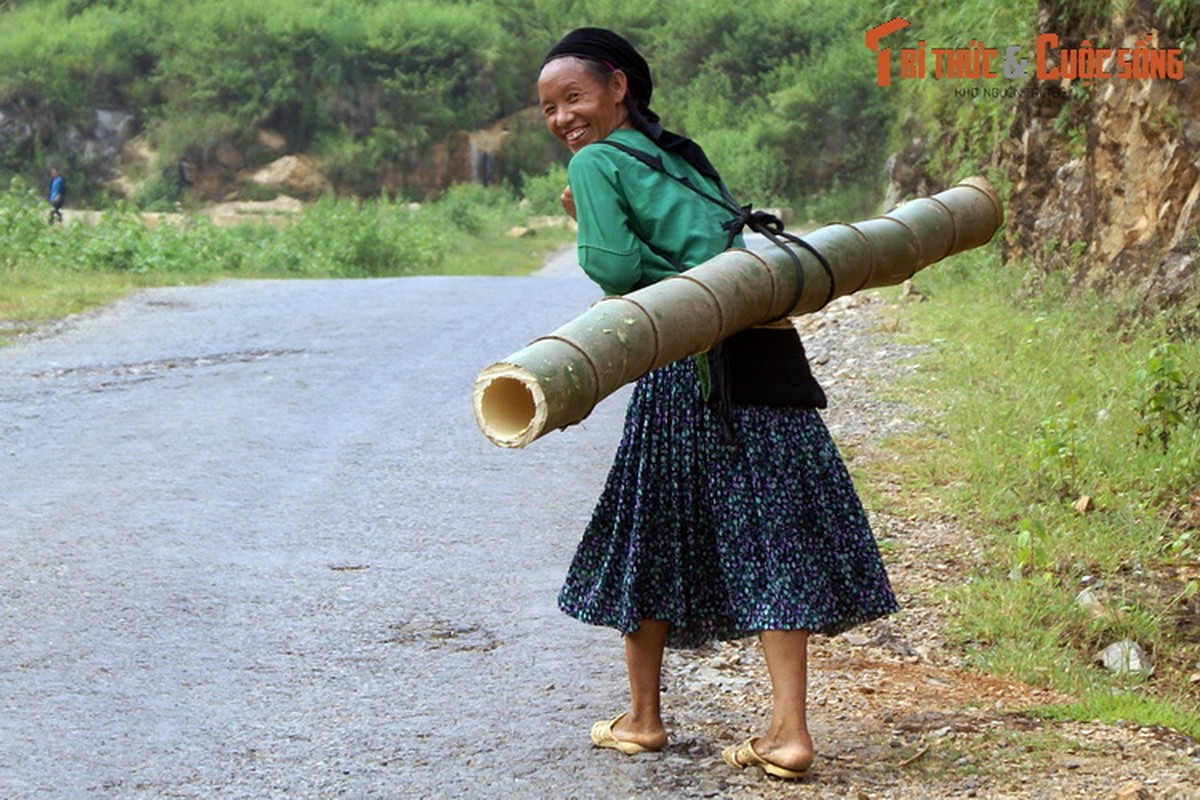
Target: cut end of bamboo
{"type": "Point", "coordinates": [984, 185]}
{"type": "Point", "coordinates": [510, 406]}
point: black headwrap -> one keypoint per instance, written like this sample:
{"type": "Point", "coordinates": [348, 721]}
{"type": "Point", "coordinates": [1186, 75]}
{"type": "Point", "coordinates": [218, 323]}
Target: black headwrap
{"type": "Point", "coordinates": [614, 52]}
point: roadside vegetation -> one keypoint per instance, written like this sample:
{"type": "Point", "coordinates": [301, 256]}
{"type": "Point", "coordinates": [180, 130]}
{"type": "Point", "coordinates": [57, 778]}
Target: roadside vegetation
{"type": "Point", "coordinates": [367, 87]}
{"type": "Point", "coordinates": [48, 272]}
{"type": "Point", "coordinates": [1064, 431]}
{"type": "Point", "coordinates": [1063, 428]}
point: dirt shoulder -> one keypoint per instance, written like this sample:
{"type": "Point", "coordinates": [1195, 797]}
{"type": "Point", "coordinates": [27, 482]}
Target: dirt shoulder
{"type": "Point", "coordinates": [892, 710]}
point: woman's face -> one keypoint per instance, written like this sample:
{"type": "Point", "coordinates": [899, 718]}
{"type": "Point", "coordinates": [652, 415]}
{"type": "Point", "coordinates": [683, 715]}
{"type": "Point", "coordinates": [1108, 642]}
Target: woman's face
{"type": "Point", "coordinates": [579, 107]}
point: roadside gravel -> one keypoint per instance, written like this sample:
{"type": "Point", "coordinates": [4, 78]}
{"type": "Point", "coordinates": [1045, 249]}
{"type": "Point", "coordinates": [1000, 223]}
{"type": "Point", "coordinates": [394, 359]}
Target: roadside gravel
{"type": "Point", "coordinates": [892, 710]}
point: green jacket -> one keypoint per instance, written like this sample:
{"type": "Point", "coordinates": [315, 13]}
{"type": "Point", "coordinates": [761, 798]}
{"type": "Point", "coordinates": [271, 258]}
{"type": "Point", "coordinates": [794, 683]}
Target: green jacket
{"type": "Point", "coordinates": [622, 206]}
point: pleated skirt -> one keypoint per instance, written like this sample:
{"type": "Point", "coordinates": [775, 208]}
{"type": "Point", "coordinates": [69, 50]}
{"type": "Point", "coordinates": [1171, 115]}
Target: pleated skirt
{"type": "Point", "coordinates": [725, 536]}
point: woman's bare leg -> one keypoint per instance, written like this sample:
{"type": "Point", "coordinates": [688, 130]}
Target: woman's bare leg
{"type": "Point", "coordinates": [643, 658]}
{"type": "Point", "coordinates": [787, 742]}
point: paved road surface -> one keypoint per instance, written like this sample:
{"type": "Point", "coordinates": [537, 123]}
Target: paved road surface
{"type": "Point", "coordinates": [253, 545]}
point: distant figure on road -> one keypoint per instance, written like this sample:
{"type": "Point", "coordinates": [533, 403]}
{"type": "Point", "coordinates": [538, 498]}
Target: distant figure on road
{"type": "Point", "coordinates": [58, 195]}
{"type": "Point", "coordinates": [726, 513]}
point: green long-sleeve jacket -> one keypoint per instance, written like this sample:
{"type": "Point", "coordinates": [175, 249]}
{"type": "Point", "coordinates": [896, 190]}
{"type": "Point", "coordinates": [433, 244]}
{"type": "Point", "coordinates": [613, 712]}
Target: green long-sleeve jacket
{"type": "Point", "coordinates": [622, 206]}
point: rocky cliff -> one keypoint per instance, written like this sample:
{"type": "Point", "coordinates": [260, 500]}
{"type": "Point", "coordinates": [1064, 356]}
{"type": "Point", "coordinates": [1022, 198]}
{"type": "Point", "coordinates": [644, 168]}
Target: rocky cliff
{"type": "Point", "coordinates": [1109, 190]}
{"type": "Point", "coordinates": [1104, 165]}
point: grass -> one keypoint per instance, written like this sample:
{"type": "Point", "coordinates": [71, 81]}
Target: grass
{"type": "Point", "coordinates": [496, 253]}
{"type": "Point", "coordinates": [1033, 401]}
{"type": "Point", "coordinates": [51, 272]}
{"type": "Point", "coordinates": [36, 294]}
{"type": "Point", "coordinates": [1112, 708]}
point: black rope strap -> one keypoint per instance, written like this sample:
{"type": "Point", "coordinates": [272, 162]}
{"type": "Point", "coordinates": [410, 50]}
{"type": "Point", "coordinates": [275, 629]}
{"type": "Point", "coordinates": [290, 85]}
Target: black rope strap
{"type": "Point", "coordinates": [771, 227]}
{"type": "Point", "coordinates": [761, 222]}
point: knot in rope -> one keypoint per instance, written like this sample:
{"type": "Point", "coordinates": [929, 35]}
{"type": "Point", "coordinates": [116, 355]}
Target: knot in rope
{"type": "Point", "coordinates": [770, 226]}
{"type": "Point", "coordinates": [758, 221]}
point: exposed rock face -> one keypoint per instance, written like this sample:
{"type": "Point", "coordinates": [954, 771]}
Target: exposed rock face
{"type": "Point", "coordinates": [907, 174]}
{"type": "Point", "coordinates": [110, 129]}
{"type": "Point", "coordinates": [516, 143]}
{"type": "Point", "coordinates": [272, 140]}
{"type": "Point", "coordinates": [299, 173]}
{"type": "Point", "coordinates": [442, 164]}
{"type": "Point", "coordinates": [1113, 196]}
{"type": "Point", "coordinates": [1105, 174]}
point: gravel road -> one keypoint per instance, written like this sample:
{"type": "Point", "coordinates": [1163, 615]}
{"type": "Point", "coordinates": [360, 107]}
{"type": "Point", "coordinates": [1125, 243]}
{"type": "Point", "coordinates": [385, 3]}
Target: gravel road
{"type": "Point", "coordinates": [253, 545]}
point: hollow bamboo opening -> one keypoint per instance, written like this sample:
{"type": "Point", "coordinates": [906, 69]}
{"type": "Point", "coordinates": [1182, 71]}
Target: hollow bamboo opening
{"type": "Point", "coordinates": [509, 406]}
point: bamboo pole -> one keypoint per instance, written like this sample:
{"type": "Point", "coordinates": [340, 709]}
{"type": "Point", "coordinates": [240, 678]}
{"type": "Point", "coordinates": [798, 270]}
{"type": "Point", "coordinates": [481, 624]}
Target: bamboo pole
{"type": "Point", "coordinates": [558, 379]}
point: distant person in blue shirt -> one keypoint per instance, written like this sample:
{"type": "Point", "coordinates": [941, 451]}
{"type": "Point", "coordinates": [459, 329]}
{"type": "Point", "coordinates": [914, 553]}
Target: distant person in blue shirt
{"type": "Point", "coordinates": [58, 195]}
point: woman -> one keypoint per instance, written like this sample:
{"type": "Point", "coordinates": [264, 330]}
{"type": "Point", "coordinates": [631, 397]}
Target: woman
{"type": "Point", "coordinates": [714, 523]}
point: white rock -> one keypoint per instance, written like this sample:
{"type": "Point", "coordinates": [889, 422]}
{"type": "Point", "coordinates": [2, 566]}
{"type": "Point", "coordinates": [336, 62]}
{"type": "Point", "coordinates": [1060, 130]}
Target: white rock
{"type": "Point", "coordinates": [1125, 656]}
{"type": "Point", "coordinates": [1088, 599]}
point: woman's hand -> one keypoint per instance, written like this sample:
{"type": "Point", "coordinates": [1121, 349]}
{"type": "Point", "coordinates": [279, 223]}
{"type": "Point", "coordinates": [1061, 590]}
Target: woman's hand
{"type": "Point", "coordinates": [568, 202]}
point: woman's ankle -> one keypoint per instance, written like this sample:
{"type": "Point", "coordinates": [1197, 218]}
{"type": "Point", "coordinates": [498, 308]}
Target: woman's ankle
{"type": "Point", "coordinates": [793, 752]}
{"type": "Point", "coordinates": [647, 729]}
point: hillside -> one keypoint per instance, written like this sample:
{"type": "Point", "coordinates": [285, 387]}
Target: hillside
{"type": "Point", "coordinates": [1097, 146]}
{"type": "Point", "coordinates": [405, 97]}
{"type": "Point", "coordinates": [196, 103]}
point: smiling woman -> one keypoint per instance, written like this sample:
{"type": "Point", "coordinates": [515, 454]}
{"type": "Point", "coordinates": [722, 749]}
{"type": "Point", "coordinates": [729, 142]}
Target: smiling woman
{"type": "Point", "coordinates": [582, 102]}
{"type": "Point", "coordinates": [720, 518]}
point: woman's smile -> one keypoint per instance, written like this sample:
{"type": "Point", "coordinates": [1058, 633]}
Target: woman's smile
{"type": "Point", "coordinates": [579, 106]}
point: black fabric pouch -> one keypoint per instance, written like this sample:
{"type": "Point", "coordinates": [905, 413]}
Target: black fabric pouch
{"type": "Point", "coordinates": [763, 367]}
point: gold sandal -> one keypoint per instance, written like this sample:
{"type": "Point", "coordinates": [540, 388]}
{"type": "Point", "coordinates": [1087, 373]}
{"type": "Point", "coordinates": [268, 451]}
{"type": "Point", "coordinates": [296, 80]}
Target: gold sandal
{"type": "Point", "coordinates": [740, 756]}
{"type": "Point", "coordinates": [602, 736]}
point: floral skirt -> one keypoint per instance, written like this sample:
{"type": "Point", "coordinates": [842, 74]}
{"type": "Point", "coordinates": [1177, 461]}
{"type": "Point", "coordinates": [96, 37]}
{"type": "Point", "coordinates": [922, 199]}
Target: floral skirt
{"type": "Point", "coordinates": [725, 536]}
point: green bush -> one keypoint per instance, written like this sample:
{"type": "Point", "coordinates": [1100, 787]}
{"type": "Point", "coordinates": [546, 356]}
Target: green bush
{"type": "Point", "coordinates": [467, 208]}
{"type": "Point", "coordinates": [23, 217]}
{"type": "Point", "coordinates": [349, 239]}
{"type": "Point", "coordinates": [544, 192]}
{"type": "Point", "coordinates": [332, 238]}
{"type": "Point", "coordinates": [368, 85]}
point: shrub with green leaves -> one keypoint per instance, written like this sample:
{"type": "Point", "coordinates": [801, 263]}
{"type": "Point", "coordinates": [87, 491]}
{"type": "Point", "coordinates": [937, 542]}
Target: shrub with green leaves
{"type": "Point", "coordinates": [23, 218]}
{"type": "Point", "coordinates": [544, 192]}
{"type": "Point", "coordinates": [1166, 398]}
{"type": "Point", "coordinates": [466, 208]}
{"type": "Point", "coordinates": [1054, 454]}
